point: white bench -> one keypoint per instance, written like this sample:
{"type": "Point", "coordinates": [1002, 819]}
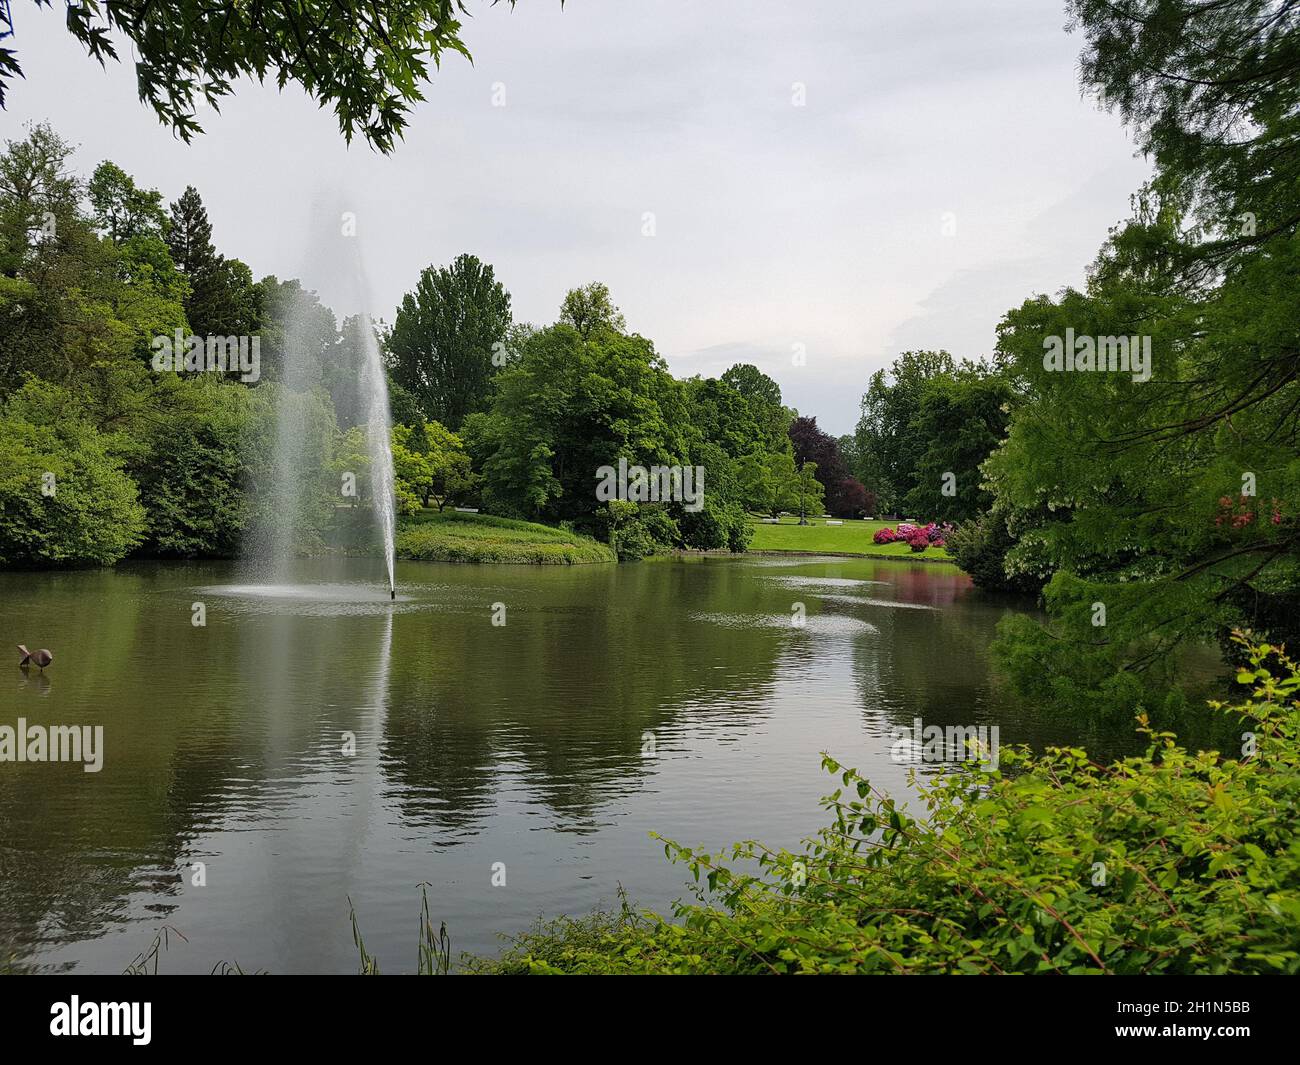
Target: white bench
{"type": "Point", "coordinates": [835, 523]}
{"type": "Point", "coordinates": [467, 510]}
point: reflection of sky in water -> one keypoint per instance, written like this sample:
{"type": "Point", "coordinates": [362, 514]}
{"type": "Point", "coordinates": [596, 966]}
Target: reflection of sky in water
{"type": "Point", "coordinates": [893, 604]}
{"type": "Point", "coordinates": [823, 582]}
{"type": "Point", "coordinates": [813, 625]}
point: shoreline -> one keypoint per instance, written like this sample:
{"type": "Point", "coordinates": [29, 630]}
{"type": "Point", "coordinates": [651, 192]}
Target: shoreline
{"type": "Point", "coordinates": [823, 554]}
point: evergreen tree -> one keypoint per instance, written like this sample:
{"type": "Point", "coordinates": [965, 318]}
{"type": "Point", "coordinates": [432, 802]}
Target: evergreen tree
{"type": "Point", "coordinates": [223, 299]}
{"type": "Point", "coordinates": [190, 236]}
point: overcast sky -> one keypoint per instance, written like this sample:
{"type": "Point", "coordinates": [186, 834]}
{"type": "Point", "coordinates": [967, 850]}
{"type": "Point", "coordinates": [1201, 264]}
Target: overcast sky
{"type": "Point", "coordinates": [775, 225]}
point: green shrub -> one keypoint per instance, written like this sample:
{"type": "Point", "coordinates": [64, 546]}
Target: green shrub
{"type": "Point", "coordinates": [1169, 862]}
{"type": "Point", "coordinates": [191, 472]}
{"type": "Point", "coordinates": [636, 531]}
{"type": "Point", "coordinates": [715, 526]}
{"type": "Point", "coordinates": [90, 513]}
{"type": "Point", "coordinates": [980, 547]}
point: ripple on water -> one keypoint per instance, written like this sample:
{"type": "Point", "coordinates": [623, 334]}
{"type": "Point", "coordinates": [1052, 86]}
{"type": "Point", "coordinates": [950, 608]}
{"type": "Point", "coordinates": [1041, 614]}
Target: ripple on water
{"type": "Point", "coordinates": [789, 562]}
{"type": "Point", "coordinates": [310, 600]}
{"type": "Point", "coordinates": [829, 582]}
{"type": "Point", "coordinates": [869, 601]}
{"type": "Point", "coordinates": [815, 625]}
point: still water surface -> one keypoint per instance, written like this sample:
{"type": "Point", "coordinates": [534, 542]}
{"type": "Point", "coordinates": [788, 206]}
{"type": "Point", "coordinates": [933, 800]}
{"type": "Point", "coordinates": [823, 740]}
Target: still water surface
{"type": "Point", "coordinates": [673, 696]}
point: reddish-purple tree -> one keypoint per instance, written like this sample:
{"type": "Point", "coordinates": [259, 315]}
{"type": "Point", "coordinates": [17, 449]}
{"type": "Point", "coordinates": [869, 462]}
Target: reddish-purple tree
{"type": "Point", "coordinates": [852, 500]}
{"type": "Point", "coordinates": [812, 445]}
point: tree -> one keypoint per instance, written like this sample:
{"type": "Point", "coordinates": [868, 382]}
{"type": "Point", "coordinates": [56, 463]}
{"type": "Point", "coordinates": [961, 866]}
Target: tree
{"type": "Point", "coordinates": [70, 301]}
{"type": "Point", "coordinates": [822, 451]}
{"type": "Point", "coordinates": [809, 493]}
{"type": "Point", "coordinates": [403, 407]}
{"type": "Point", "coordinates": [38, 196]}
{"type": "Point", "coordinates": [723, 417]}
{"type": "Point", "coordinates": [889, 444]}
{"type": "Point", "coordinates": [979, 546]}
{"type": "Point", "coordinates": [190, 234]}
{"type": "Point", "coordinates": [290, 315]}
{"type": "Point", "coordinates": [191, 479]}
{"type": "Point", "coordinates": [771, 483]}
{"type": "Point", "coordinates": [65, 499]}
{"type": "Point", "coordinates": [959, 422]}
{"type": "Point", "coordinates": [851, 500]}
{"type": "Point", "coordinates": [121, 209]}
{"type": "Point", "coordinates": [368, 62]}
{"type": "Point", "coordinates": [445, 335]}
{"type": "Point", "coordinates": [568, 406]}
{"type": "Point", "coordinates": [590, 309]}
{"type": "Point", "coordinates": [343, 371]}
{"type": "Point", "coordinates": [223, 300]}
{"type": "Point", "coordinates": [1165, 503]}
{"type": "Point", "coordinates": [431, 463]}
{"type": "Point", "coordinates": [764, 398]}
{"type": "Point", "coordinates": [1209, 93]}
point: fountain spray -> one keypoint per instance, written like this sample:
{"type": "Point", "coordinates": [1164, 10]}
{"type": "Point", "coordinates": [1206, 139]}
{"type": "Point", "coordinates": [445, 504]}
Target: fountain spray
{"type": "Point", "coordinates": [375, 392]}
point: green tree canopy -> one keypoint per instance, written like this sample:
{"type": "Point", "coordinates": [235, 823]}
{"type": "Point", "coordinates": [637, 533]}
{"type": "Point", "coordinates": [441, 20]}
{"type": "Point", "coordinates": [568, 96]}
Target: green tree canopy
{"type": "Point", "coordinates": [569, 405]}
{"type": "Point", "coordinates": [431, 464]}
{"type": "Point", "coordinates": [889, 442]}
{"type": "Point", "coordinates": [1165, 504]}
{"type": "Point", "coordinates": [121, 209]}
{"type": "Point", "coordinates": [366, 60]}
{"type": "Point", "coordinates": [764, 398]}
{"type": "Point", "coordinates": [223, 299]}
{"type": "Point", "coordinates": [959, 422]}
{"type": "Point", "coordinates": [65, 499]}
{"type": "Point", "coordinates": [590, 308]}
{"type": "Point", "coordinates": [71, 301]}
{"type": "Point", "coordinates": [445, 335]}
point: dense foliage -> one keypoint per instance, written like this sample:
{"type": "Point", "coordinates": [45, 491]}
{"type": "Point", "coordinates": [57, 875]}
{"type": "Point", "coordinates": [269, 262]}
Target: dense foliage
{"type": "Point", "coordinates": [111, 455]}
{"type": "Point", "coordinates": [1164, 505]}
{"type": "Point", "coordinates": [366, 60]}
{"type": "Point", "coordinates": [445, 335]}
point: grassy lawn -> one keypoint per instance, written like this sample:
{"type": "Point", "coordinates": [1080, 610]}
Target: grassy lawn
{"type": "Point", "coordinates": [453, 537]}
{"type": "Point", "coordinates": [853, 537]}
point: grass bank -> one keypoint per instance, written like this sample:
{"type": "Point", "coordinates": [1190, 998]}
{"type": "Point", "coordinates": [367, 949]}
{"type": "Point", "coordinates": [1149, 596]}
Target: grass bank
{"type": "Point", "coordinates": [431, 536]}
{"type": "Point", "coordinates": [851, 538]}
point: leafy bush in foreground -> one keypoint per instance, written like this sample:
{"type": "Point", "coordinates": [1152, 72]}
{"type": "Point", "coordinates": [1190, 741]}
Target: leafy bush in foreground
{"type": "Point", "coordinates": [1171, 862]}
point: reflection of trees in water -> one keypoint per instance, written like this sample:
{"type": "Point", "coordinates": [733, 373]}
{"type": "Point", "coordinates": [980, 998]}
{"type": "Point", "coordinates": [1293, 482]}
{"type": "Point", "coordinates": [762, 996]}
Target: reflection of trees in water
{"type": "Point", "coordinates": [557, 701]}
{"type": "Point", "coordinates": [939, 665]}
{"type": "Point", "coordinates": [74, 846]}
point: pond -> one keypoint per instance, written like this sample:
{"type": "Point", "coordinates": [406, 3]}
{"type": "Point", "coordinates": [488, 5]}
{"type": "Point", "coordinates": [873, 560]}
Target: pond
{"type": "Point", "coordinates": [497, 723]}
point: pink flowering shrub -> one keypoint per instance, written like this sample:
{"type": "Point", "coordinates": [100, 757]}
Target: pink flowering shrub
{"type": "Point", "coordinates": [939, 533]}
{"type": "Point", "coordinates": [917, 537]}
{"type": "Point", "coordinates": [1241, 512]}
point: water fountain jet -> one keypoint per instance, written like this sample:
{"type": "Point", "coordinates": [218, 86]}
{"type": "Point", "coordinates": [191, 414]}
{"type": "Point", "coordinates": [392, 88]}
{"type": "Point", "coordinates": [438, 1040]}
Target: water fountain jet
{"type": "Point", "coordinates": [294, 504]}
{"type": "Point", "coordinates": [374, 386]}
